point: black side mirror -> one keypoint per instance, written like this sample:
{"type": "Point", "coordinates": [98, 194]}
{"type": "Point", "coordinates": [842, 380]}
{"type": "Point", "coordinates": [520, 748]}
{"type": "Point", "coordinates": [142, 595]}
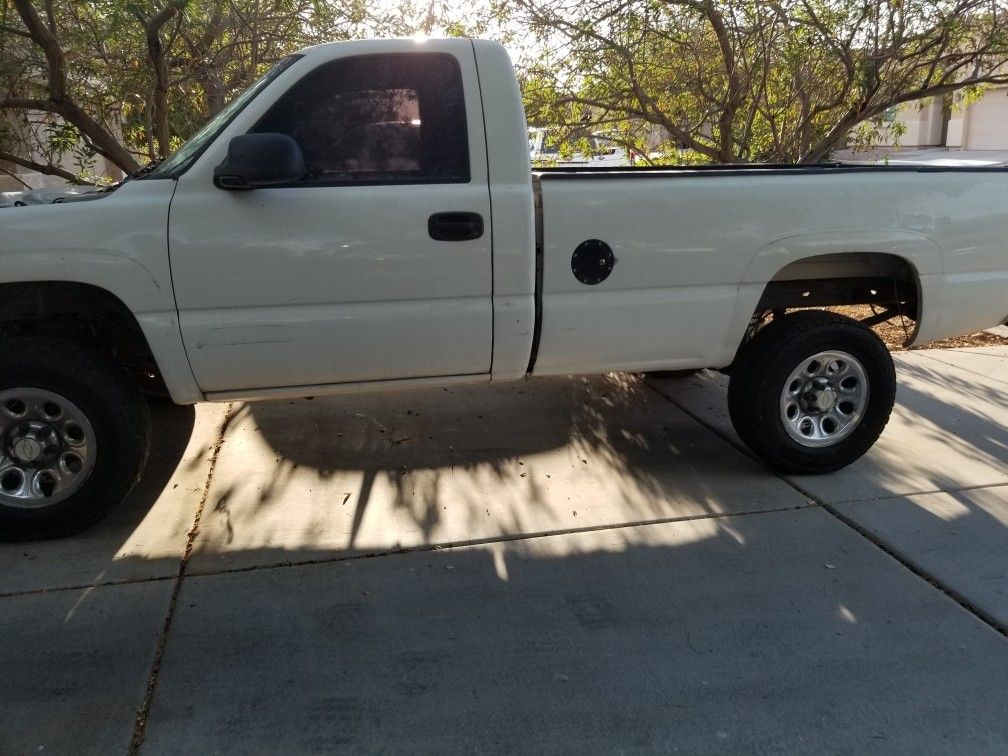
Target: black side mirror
{"type": "Point", "coordinates": [255, 160]}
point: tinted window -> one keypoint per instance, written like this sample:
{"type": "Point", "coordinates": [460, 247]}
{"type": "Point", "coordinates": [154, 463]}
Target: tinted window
{"type": "Point", "coordinates": [377, 119]}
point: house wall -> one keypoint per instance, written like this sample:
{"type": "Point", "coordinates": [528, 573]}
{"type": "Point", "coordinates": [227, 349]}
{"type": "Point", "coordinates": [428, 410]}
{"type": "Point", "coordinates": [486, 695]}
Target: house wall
{"type": "Point", "coordinates": [986, 123]}
{"type": "Point", "coordinates": [922, 122]}
{"type": "Point", "coordinates": [981, 125]}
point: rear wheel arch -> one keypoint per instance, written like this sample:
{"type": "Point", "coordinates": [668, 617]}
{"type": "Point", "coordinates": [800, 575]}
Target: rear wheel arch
{"type": "Point", "coordinates": [838, 275]}
{"type": "Point", "coordinates": [892, 282]}
{"type": "Point", "coordinates": [834, 254]}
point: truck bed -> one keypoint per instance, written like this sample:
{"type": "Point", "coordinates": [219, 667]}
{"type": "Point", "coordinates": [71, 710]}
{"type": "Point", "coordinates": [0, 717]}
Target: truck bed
{"type": "Point", "coordinates": [692, 256]}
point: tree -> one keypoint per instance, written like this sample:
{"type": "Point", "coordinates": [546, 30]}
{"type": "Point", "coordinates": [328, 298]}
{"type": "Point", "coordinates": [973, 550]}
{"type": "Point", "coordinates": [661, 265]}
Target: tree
{"type": "Point", "coordinates": [37, 69]}
{"type": "Point", "coordinates": [734, 81]}
{"type": "Point", "coordinates": [130, 80]}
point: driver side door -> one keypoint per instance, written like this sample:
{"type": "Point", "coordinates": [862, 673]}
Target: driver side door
{"type": "Point", "coordinates": [343, 277]}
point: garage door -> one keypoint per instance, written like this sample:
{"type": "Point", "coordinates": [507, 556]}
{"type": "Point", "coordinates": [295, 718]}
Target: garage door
{"type": "Point", "coordinates": [988, 121]}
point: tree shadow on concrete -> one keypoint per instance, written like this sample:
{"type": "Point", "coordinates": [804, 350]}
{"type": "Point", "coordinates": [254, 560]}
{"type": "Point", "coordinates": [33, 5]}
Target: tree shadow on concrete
{"type": "Point", "coordinates": [450, 465]}
{"type": "Point", "coordinates": [367, 474]}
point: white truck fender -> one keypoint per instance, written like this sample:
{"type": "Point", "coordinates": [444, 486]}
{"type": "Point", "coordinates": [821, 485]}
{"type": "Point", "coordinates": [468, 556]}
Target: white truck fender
{"type": "Point", "coordinates": [923, 255]}
{"type": "Point", "coordinates": [121, 250]}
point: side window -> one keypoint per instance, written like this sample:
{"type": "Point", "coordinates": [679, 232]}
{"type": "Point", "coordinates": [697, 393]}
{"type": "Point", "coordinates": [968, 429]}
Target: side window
{"type": "Point", "coordinates": [377, 119]}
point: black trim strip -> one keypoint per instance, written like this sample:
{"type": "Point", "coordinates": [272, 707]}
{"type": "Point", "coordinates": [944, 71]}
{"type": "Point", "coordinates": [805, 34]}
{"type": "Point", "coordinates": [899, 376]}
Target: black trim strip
{"type": "Point", "coordinates": [762, 169]}
{"type": "Point", "coordinates": [537, 328]}
{"type": "Point", "coordinates": [379, 182]}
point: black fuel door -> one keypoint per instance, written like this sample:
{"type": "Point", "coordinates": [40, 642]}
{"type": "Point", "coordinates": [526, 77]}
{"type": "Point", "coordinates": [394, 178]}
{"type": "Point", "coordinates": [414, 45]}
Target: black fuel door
{"type": "Point", "coordinates": [592, 262]}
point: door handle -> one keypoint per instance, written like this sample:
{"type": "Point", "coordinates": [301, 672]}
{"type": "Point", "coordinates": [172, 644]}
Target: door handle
{"type": "Point", "coordinates": [455, 226]}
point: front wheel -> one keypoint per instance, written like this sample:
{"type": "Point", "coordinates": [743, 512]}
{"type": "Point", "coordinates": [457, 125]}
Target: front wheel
{"type": "Point", "coordinates": [812, 392]}
{"type": "Point", "coordinates": [74, 436]}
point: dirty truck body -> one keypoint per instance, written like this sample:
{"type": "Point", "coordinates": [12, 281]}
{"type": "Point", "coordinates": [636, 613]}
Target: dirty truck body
{"type": "Point", "coordinates": [365, 218]}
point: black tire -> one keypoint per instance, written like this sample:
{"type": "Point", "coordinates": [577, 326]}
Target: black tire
{"type": "Point", "coordinates": [764, 366]}
{"type": "Point", "coordinates": [118, 416]}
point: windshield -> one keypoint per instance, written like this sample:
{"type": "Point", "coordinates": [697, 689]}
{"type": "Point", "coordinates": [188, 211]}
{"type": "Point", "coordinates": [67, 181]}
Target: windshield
{"type": "Point", "coordinates": [180, 160]}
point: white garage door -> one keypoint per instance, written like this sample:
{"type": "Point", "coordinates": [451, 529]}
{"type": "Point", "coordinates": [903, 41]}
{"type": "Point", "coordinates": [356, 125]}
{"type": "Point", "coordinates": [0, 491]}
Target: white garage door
{"type": "Point", "coordinates": [988, 121]}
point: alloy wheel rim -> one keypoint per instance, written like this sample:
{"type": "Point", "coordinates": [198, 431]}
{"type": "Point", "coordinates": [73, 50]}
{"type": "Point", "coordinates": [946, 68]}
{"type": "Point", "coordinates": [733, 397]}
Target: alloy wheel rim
{"type": "Point", "coordinates": [47, 448]}
{"type": "Point", "coordinates": [824, 399]}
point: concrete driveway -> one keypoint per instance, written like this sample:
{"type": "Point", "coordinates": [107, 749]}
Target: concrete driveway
{"type": "Point", "coordinates": [557, 565]}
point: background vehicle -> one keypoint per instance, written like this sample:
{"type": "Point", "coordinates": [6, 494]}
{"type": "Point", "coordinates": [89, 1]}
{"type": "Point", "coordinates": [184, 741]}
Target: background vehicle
{"type": "Point", "coordinates": [602, 153]}
{"type": "Point", "coordinates": [365, 218]}
{"type": "Point", "coordinates": [45, 196]}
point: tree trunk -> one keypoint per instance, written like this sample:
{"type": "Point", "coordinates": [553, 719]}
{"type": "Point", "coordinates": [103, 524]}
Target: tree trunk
{"type": "Point", "coordinates": [59, 101]}
{"type": "Point", "coordinates": [158, 58]}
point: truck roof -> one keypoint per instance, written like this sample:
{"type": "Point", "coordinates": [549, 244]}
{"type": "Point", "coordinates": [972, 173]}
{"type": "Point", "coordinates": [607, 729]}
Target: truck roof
{"type": "Point", "coordinates": [393, 44]}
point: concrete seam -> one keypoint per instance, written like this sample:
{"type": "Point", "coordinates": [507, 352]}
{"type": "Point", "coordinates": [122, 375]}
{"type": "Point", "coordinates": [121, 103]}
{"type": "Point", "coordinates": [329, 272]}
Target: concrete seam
{"type": "Point", "coordinates": [87, 586]}
{"type": "Point", "coordinates": [965, 370]}
{"type": "Point", "coordinates": [927, 492]}
{"type": "Point", "coordinates": [140, 724]}
{"type": "Point", "coordinates": [502, 538]}
{"type": "Point", "coordinates": [985, 617]}
{"type": "Point", "coordinates": [423, 548]}
{"type": "Point", "coordinates": [956, 596]}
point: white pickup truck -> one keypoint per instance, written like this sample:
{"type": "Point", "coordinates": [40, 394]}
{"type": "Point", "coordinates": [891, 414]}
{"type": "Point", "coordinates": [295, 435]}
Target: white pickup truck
{"type": "Point", "coordinates": [365, 218]}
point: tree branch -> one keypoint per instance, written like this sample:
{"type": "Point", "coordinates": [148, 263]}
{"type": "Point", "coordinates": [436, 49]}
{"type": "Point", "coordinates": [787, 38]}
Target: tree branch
{"type": "Point", "coordinates": [17, 178]}
{"type": "Point", "coordinates": [158, 59]}
{"type": "Point", "coordinates": [4, 29]}
{"type": "Point", "coordinates": [24, 103]}
{"type": "Point", "coordinates": [46, 168]}
{"type": "Point", "coordinates": [58, 101]}
{"type": "Point", "coordinates": [44, 38]}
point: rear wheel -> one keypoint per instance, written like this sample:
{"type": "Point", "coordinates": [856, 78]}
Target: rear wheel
{"type": "Point", "coordinates": [74, 436]}
{"type": "Point", "coordinates": [812, 392]}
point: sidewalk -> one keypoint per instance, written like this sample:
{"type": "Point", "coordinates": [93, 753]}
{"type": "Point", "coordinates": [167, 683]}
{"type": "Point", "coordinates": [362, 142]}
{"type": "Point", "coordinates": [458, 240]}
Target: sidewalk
{"type": "Point", "coordinates": [573, 564]}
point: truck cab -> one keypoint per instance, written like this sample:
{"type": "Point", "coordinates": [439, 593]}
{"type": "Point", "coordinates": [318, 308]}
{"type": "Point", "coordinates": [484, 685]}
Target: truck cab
{"type": "Point", "coordinates": [378, 262]}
